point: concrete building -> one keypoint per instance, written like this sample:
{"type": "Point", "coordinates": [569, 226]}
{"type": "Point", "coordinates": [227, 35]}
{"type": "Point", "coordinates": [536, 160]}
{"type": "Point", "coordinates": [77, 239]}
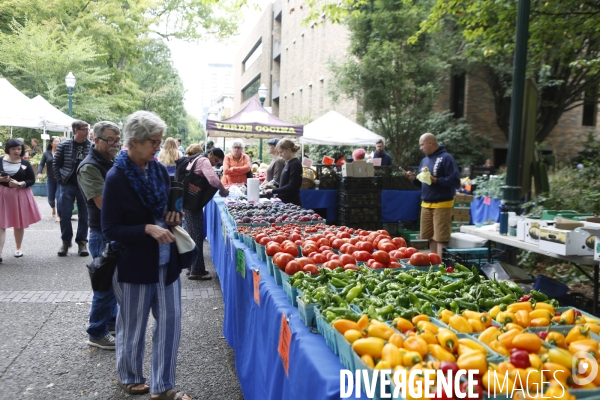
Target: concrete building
{"type": "Point", "coordinates": [292, 60]}
{"type": "Point", "coordinates": [217, 81]}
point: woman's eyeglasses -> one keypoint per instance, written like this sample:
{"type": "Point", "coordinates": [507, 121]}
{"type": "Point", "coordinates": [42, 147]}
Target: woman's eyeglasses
{"type": "Point", "coordinates": [155, 143]}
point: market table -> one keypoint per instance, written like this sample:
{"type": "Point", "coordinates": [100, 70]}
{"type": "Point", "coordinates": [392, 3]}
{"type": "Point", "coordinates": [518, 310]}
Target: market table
{"type": "Point", "coordinates": [253, 331]}
{"type": "Point", "coordinates": [512, 241]}
{"type": "Point", "coordinates": [396, 205]}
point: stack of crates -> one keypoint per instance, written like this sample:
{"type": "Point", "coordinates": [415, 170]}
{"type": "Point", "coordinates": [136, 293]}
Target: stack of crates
{"type": "Point", "coordinates": [462, 211]}
{"type": "Point", "coordinates": [359, 203]}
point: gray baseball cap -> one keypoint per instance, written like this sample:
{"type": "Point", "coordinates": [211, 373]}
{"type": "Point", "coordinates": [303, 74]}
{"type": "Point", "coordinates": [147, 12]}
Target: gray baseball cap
{"type": "Point", "coordinates": [273, 142]}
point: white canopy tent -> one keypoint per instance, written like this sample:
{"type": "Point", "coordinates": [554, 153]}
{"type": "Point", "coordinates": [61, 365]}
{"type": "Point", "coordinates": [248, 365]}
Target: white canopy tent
{"type": "Point", "coordinates": [333, 129]}
{"type": "Point", "coordinates": [53, 119]}
{"type": "Point", "coordinates": [16, 108]}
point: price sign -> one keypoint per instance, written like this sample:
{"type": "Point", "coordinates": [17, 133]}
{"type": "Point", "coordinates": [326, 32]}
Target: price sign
{"type": "Point", "coordinates": [285, 338]}
{"type": "Point", "coordinates": [241, 263]}
{"type": "Point", "coordinates": [256, 279]}
{"type": "Point", "coordinates": [487, 200]}
{"type": "Point", "coordinates": [468, 187]}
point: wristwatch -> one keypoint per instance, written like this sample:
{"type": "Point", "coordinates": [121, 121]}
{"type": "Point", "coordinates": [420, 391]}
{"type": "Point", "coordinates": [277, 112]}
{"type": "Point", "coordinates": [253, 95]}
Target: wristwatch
{"type": "Point", "coordinates": [22, 184]}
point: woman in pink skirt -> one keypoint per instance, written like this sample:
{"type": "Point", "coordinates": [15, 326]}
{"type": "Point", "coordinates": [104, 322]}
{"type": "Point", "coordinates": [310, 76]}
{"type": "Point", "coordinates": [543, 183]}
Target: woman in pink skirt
{"type": "Point", "coordinates": [19, 209]}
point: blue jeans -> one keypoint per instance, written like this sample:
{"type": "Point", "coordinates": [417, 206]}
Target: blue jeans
{"type": "Point", "coordinates": [70, 193]}
{"type": "Point", "coordinates": [52, 185]}
{"type": "Point", "coordinates": [104, 304]}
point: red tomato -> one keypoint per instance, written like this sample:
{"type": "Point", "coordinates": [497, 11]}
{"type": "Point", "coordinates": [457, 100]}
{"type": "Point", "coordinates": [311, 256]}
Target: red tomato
{"type": "Point", "coordinates": [311, 268]}
{"type": "Point", "coordinates": [370, 262]}
{"type": "Point", "coordinates": [264, 240]}
{"type": "Point", "coordinates": [348, 248]}
{"type": "Point", "coordinates": [335, 257]}
{"type": "Point", "coordinates": [292, 267]}
{"type": "Point", "coordinates": [403, 248]}
{"type": "Point", "coordinates": [381, 257]}
{"type": "Point", "coordinates": [361, 255]}
{"type": "Point", "coordinates": [399, 242]}
{"type": "Point", "coordinates": [322, 249]}
{"type": "Point", "coordinates": [305, 261]}
{"type": "Point", "coordinates": [354, 240]}
{"type": "Point", "coordinates": [343, 235]}
{"type": "Point", "coordinates": [419, 260]}
{"type": "Point", "coordinates": [410, 251]}
{"type": "Point", "coordinates": [298, 242]}
{"type": "Point", "coordinates": [337, 243]}
{"type": "Point", "coordinates": [383, 232]}
{"type": "Point", "coordinates": [347, 259]}
{"type": "Point", "coordinates": [435, 258]}
{"type": "Point", "coordinates": [394, 264]}
{"type": "Point", "coordinates": [378, 239]}
{"type": "Point", "coordinates": [351, 266]}
{"type": "Point", "coordinates": [377, 265]}
{"type": "Point", "coordinates": [294, 236]}
{"type": "Point", "coordinates": [332, 264]}
{"type": "Point", "coordinates": [279, 238]}
{"type": "Point", "coordinates": [291, 249]}
{"type": "Point", "coordinates": [365, 246]}
{"type": "Point", "coordinates": [396, 254]}
{"type": "Point", "coordinates": [323, 242]}
{"type": "Point", "coordinates": [272, 249]}
{"type": "Point", "coordinates": [318, 258]}
{"type": "Point", "coordinates": [386, 246]}
{"type": "Point", "coordinates": [281, 260]}
{"type": "Point", "coordinates": [309, 248]}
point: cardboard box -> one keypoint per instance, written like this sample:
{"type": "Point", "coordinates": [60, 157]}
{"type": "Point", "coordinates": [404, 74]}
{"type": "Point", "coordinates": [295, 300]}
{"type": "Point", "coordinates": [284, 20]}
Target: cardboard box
{"type": "Point", "coordinates": [370, 170]}
{"type": "Point", "coordinates": [347, 170]}
{"type": "Point", "coordinates": [357, 169]}
{"type": "Point", "coordinates": [565, 239]}
{"type": "Point", "coordinates": [419, 243]}
{"type": "Point", "coordinates": [521, 229]}
{"type": "Point", "coordinates": [463, 198]}
{"type": "Point", "coordinates": [592, 225]}
{"type": "Point", "coordinates": [462, 205]}
{"type": "Point", "coordinates": [461, 214]}
{"type": "Point", "coordinates": [532, 229]}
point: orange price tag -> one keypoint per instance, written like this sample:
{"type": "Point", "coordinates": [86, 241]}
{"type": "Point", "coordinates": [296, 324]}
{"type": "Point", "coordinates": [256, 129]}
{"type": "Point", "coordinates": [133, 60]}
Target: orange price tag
{"type": "Point", "coordinates": [285, 338]}
{"type": "Point", "coordinates": [487, 200]}
{"type": "Point", "coordinates": [256, 279]}
{"type": "Point", "coordinates": [468, 187]}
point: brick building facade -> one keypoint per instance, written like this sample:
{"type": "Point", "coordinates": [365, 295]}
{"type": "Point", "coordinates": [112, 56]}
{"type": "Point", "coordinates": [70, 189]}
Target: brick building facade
{"type": "Point", "coordinates": [294, 66]}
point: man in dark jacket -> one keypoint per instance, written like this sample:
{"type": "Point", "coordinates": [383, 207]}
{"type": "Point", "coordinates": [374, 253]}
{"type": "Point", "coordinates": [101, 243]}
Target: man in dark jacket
{"type": "Point", "coordinates": [90, 175]}
{"type": "Point", "coordinates": [69, 154]}
{"type": "Point", "coordinates": [438, 198]}
{"type": "Point", "coordinates": [380, 152]}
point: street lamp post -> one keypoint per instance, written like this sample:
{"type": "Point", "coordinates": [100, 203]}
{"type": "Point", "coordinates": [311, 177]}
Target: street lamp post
{"type": "Point", "coordinates": [70, 82]}
{"type": "Point", "coordinates": [262, 95]}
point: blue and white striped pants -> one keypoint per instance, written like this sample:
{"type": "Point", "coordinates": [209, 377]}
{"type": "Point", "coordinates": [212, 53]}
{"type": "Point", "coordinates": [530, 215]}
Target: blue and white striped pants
{"type": "Point", "coordinates": [135, 303]}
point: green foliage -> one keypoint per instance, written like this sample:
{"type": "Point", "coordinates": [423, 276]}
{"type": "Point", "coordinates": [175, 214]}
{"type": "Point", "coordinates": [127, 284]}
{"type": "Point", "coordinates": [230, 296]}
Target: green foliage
{"type": "Point", "coordinates": [490, 186]}
{"type": "Point", "coordinates": [458, 137]}
{"type": "Point", "coordinates": [316, 152]}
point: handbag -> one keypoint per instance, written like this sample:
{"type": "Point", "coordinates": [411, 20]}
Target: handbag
{"type": "Point", "coordinates": [102, 269]}
{"type": "Point", "coordinates": [197, 191]}
{"type": "Point", "coordinates": [186, 247]}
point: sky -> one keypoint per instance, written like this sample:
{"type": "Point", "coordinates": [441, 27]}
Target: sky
{"type": "Point", "coordinates": [191, 59]}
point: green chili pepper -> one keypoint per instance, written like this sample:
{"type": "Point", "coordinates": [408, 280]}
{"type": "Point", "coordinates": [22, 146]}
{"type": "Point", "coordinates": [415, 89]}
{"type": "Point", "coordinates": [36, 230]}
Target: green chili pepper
{"type": "Point", "coordinates": [538, 296]}
{"type": "Point", "coordinates": [338, 283]}
{"type": "Point", "coordinates": [414, 300]}
{"type": "Point", "coordinates": [455, 307]}
{"type": "Point", "coordinates": [451, 287]}
{"type": "Point", "coordinates": [354, 292]}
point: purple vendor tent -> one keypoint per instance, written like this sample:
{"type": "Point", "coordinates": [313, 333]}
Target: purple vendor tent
{"type": "Point", "coordinates": [253, 121]}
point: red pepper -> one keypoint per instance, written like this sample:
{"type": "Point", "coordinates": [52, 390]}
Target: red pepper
{"type": "Point", "coordinates": [557, 313]}
{"type": "Point", "coordinates": [449, 270]}
{"type": "Point", "coordinates": [520, 358]}
{"type": "Point", "coordinates": [477, 390]}
{"type": "Point", "coordinates": [577, 313]}
{"type": "Point", "coordinates": [543, 335]}
{"type": "Point", "coordinates": [446, 366]}
{"type": "Point", "coordinates": [525, 298]}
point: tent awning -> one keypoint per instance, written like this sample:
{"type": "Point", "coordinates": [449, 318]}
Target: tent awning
{"type": "Point", "coordinates": [253, 121]}
{"type": "Point", "coordinates": [333, 129]}
{"type": "Point", "coordinates": [53, 119]}
{"type": "Point", "coordinates": [16, 109]}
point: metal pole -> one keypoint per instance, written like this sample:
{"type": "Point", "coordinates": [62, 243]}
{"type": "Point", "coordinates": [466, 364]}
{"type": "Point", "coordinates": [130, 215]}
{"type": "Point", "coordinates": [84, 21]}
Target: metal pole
{"type": "Point", "coordinates": [260, 150]}
{"type": "Point", "coordinates": [512, 190]}
{"type": "Point", "coordinates": [70, 102]}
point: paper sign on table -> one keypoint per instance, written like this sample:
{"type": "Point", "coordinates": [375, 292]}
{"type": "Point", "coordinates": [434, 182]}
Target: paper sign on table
{"type": "Point", "coordinates": [256, 279]}
{"type": "Point", "coordinates": [307, 162]}
{"type": "Point", "coordinates": [285, 338]}
{"type": "Point", "coordinates": [487, 200]}
{"type": "Point", "coordinates": [241, 263]}
{"type": "Point", "coordinates": [376, 162]}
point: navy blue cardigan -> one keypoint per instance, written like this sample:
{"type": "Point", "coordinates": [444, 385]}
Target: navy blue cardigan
{"type": "Point", "coordinates": [124, 220]}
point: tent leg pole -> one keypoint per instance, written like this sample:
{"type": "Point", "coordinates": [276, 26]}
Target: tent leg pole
{"type": "Point", "coordinates": [11, 132]}
{"type": "Point", "coordinates": [260, 151]}
{"type": "Point", "coordinates": [223, 144]}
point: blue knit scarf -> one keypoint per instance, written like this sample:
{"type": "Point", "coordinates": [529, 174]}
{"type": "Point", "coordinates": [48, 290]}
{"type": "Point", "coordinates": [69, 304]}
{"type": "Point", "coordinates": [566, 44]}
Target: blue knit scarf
{"type": "Point", "coordinates": [151, 191]}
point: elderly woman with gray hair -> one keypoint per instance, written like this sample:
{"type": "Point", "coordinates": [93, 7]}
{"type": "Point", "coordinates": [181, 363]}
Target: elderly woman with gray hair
{"type": "Point", "coordinates": [236, 165]}
{"type": "Point", "coordinates": [134, 215]}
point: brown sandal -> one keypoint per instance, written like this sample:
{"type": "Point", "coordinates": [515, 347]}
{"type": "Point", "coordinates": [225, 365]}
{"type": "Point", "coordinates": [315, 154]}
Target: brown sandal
{"type": "Point", "coordinates": [171, 394]}
{"type": "Point", "coordinates": [131, 388]}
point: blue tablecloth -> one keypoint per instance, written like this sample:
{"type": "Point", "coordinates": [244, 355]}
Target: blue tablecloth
{"type": "Point", "coordinates": [253, 331]}
{"type": "Point", "coordinates": [396, 205]}
{"type": "Point", "coordinates": [481, 212]}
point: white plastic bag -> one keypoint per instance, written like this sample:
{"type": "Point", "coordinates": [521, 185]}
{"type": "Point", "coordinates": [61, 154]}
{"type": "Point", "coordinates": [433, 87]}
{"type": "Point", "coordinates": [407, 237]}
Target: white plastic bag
{"type": "Point", "coordinates": [425, 176]}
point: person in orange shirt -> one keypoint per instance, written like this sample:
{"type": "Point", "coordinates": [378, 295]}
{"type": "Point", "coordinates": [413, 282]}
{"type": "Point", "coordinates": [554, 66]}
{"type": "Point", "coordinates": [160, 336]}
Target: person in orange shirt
{"type": "Point", "coordinates": [236, 165]}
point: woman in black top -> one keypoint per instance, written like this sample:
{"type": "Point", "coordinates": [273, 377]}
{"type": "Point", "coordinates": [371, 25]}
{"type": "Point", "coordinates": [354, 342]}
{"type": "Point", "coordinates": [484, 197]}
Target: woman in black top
{"type": "Point", "coordinates": [18, 208]}
{"type": "Point", "coordinates": [47, 160]}
{"type": "Point", "coordinates": [291, 176]}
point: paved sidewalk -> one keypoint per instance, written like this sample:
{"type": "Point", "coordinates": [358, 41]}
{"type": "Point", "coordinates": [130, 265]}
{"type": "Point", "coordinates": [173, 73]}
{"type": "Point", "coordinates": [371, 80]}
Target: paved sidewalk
{"type": "Point", "coordinates": [44, 304]}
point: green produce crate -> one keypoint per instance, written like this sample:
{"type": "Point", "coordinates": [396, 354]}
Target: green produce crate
{"type": "Point", "coordinates": [306, 312]}
{"type": "Point", "coordinates": [327, 331]}
{"type": "Point", "coordinates": [291, 293]}
{"type": "Point", "coordinates": [344, 350]}
{"type": "Point", "coordinates": [277, 274]}
{"type": "Point", "coordinates": [260, 252]}
{"type": "Point", "coordinates": [270, 265]}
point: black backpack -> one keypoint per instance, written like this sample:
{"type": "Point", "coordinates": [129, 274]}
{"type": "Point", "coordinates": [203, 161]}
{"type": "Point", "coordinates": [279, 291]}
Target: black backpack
{"type": "Point", "coordinates": [197, 191]}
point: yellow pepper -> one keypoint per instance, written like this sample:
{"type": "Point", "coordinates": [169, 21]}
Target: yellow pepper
{"type": "Point", "coordinates": [556, 339]}
{"type": "Point", "coordinates": [561, 357]}
{"type": "Point", "coordinates": [462, 349]}
{"type": "Point", "coordinates": [510, 326]}
{"type": "Point", "coordinates": [427, 326]}
{"type": "Point", "coordinates": [468, 314]}
{"type": "Point", "coordinates": [447, 339]}
{"type": "Point", "coordinates": [472, 361]}
{"type": "Point", "coordinates": [473, 345]}
{"type": "Point", "coordinates": [391, 355]}
{"type": "Point", "coordinates": [499, 348]}
{"type": "Point", "coordinates": [420, 317]}
{"type": "Point", "coordinates": [380, 331]}
{"type": "Point", "coordinates": [533, 377]}
{"type": "Point", "coordinates": [371, 346]}
{"type": "Point", "coordinates": [440, 353]}
{"type": "Point", "coordinates": [486, 319]}
{"type": "Point", "coordinates": [519, 376]}
{"type": "Point", "coordinates": [397, 340]}
{"type": "Point", "coordinates": [544, 306]}
{"type": "Point", "coordinates": [594, 328]}
{"type": "Point", "coordinates": [567, 318]}
{"type": "Point", "coordinates": [541, 313]}
{"type": "Point", "coordinates": [589, 346]}
{"type": "Point", "coordinates": [343, 325]}
{"type": "Point", "coordinates": [535, 360]}
{"type": "Point", "coordinates": [411, 358]}
{"type": "Point", "coordinates": [460, 324]}
{"type": "Point", "coordinates": [539, 322]}
{"type": "Point", "coordinates": [494, 311]}
{"type": "Point", "coordinates": [352, 335]}
{"type": "Point", "coordinates": [363, 324]}
{"type": "Point", "coordinates": [445, 315]}
{"type": "Point", "coordinates": [577, 333]}
{"type": "Point", "coordinates": [382, 364]}
{"type": "Point", "coordinates": [428, 337]}
{"type": "Point", "coordinates": [505, 367]}
{"type": "Point", "coordinates": [557, 371]}
{"type": "Point", "coordinates": [368, 360]}
{"type": "Point", "coordinates": [476, 325]}
{"type": "Point", "coordinates": [523, 305]}
{"type": "Point", "coordinates": [415, 343]}
{"type": "Point", "coordinates": [523, 318]}
{"type": "Point", "coordinates": [507, 338]}
{"type": "Point", "coordinates": [529, 342]}
{"type": "Point", "coordinates": [506, 317]}
{"type": "Point", "coordinates": [556, 392]}
{"type": "Point", "coordinates": [489, 335]}
{"type": "Point", "coordinates": [403, 325]}
{"type": "Point", "coordinates": [497, 383]}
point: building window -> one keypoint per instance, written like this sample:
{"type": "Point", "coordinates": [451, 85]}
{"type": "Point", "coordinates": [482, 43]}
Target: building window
{"type": "Point", "coordinates": [253, 55]}
{"type": "Point", "coordinates": [590, 107]}
{"type": "Point", "coordinates": [251, 89]}
{"type": "Point", "coordinates": [457, 98]}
